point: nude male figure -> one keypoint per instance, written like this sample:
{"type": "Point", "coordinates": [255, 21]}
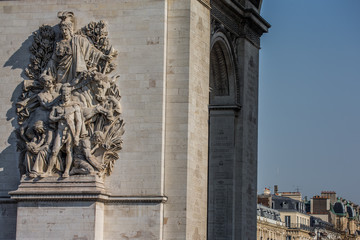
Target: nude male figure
{"type": "Point", "coordinates": [69, 124]}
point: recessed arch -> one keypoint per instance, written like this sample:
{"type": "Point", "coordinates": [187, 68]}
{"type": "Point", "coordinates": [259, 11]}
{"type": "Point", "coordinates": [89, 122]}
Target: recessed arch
{"type": "Point", "coordinates": [222, 71]}
{"type": "Point", "coordinates": [219, 82]}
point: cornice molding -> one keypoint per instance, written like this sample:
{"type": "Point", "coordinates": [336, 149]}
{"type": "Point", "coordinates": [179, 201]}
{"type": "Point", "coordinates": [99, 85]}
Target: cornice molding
{"type": "Point", "coordinates": [206, 3]}
{"type": "Point", "coordinates": [225, 107]}
{"type": "Point", "coordinates": [63, 197]}
{"type": "Point", "coordinates": [74, 188]}
{"type": "Point", "coordinates": [239, 22]}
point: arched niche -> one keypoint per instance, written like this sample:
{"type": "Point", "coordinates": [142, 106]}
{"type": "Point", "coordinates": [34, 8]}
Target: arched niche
{"type": "Point", "coordinates": [222, 72]}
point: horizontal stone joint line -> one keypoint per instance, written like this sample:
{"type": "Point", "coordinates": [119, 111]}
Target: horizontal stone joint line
{"type": "Point", "coordinates": [86, 197]}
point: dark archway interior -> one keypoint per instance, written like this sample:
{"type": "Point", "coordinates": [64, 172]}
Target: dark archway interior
{"type": "Point", "coordinates": [219, 77]}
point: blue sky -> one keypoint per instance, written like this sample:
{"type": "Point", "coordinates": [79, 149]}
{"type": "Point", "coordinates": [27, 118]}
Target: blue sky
{"type": "Point", "coordinates": [309, 97]}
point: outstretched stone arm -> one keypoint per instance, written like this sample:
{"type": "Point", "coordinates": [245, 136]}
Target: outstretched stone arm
{"type": "Point", "coordinates": [54, 116]}
{"type": "Point", "coordinates": [92, 111]}
{"type": "Point", "coordinates": [48, 104]}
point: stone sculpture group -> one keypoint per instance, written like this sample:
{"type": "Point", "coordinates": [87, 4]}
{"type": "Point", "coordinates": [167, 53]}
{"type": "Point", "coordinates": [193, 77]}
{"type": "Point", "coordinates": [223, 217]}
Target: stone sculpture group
{"type": "Point", "coordinates": [69, 111]}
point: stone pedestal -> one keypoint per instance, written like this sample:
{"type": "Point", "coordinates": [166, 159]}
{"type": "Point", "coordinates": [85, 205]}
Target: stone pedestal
{"type": "Point", "coordinates": [53, 208]}
{"type": "Point", "coordinates": [78, 207]}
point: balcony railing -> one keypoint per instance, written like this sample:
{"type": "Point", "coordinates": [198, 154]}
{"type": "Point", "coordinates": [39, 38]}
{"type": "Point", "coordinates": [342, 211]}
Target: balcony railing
{"type": "Point", "coordinates": [299, 226]}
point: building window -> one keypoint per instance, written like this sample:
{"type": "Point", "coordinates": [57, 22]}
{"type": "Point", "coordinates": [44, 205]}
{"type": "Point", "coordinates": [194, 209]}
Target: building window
{"type": "Point", "coordinates": [287, 221]}
{"type": "Point", "coordinates": [284, 205]}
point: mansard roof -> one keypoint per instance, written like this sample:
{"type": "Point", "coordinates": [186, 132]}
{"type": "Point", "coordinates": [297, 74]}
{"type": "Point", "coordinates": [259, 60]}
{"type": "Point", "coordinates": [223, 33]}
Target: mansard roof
{"type": "Point", "coordinates": [350, 211]}
{"type": "Point", "coordinates": [269, 213]}
{"type": "Point", "coordinates": [287, 204]}
{"type": "Point", "coordinates": [318, 222]}
{"type": "Point", "coordinates": [339, 208]}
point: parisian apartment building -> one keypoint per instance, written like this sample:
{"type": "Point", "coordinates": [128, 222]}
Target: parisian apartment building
{"type": "Point", "coordinates": [290, 216]}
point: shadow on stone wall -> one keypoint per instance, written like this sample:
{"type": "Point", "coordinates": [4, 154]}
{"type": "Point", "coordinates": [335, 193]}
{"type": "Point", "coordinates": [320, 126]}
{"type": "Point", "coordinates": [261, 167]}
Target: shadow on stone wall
{"type": "Point", "coordinates": [9, 157]}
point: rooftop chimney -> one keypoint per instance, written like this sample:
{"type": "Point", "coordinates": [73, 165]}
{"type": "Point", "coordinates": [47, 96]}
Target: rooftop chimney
{"type": "Point", "coordinates": [267, 191]}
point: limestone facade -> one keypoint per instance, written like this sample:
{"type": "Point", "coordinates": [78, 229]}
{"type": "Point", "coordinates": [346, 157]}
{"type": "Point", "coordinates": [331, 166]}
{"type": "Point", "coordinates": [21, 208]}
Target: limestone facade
{"type": "Point", "coordinates": [269, 224]}
{"type": "Point", "coordinates": [137, 30]}
{"type": "Point", "coordinates": [159, 185]}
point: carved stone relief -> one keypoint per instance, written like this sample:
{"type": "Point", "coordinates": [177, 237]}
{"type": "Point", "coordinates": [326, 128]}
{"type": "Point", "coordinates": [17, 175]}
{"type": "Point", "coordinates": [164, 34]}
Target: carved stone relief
{"type": "Point", "coordinates": [69, 111]}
